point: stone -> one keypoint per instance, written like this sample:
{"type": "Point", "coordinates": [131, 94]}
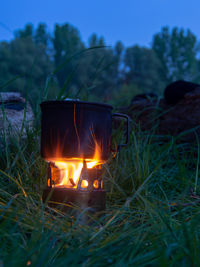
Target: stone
{"type": "Point", "coordinates": [174, 92]}
{"type": "Point", "coordinates": [15, 112]}
{"type": "Point", "coordinates": [164, 119]}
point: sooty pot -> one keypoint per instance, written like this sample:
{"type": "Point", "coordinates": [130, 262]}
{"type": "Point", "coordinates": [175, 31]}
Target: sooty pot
{"type": "Point", "coordinates": [76, 129]}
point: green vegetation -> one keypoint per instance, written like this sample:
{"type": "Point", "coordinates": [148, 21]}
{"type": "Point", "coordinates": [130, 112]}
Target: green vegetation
{"type": "Point", "coordinates": [141, 225]}
{"type": "Point", "coordinates": [97, 72]}
{"type": "Point", "coordinates": [150, 219]}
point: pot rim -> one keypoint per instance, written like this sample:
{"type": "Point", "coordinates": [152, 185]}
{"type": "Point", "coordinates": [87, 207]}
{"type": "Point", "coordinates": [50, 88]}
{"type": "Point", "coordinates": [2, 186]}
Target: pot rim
{"type": "Point", "coordinates": [68, 103]}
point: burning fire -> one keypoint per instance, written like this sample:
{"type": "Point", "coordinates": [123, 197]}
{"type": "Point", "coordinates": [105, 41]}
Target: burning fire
{"type": "Point", "coordinates": [67, 173]}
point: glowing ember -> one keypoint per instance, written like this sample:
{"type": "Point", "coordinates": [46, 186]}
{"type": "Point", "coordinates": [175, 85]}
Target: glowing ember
{"type": "Point", "coordinates": [69, 173]}
{"type": "Point", "coordinates": [66, 173]}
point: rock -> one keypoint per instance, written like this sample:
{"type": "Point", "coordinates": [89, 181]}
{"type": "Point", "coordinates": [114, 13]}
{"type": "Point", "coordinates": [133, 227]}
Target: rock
{"type": "Point", "coordinates": [166, 119]}
{"type": "Point", "coordinates": [176, 91]}
{"type": "Point", "coordinates": [145, 96]}
{"type": "Point", "coordinates": [14, 112]}
{"type": "Point", "coordinates": [143, 112]}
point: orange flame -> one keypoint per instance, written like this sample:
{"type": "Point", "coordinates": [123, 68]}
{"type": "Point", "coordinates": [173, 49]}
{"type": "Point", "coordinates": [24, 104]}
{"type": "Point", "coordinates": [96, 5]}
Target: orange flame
{"type": "Point", "coordinates": [66, 173]}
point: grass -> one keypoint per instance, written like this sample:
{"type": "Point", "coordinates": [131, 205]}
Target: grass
{"type": "Point", "coordinates": [146, 222]}
{"type": "Point", "coordinates": [141, 227]}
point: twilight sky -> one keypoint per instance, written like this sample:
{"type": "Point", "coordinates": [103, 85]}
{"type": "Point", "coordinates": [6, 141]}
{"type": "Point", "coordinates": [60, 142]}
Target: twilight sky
{"type": "Point", "coordinates": [131, 21]}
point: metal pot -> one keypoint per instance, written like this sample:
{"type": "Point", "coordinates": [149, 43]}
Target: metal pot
{"type": "Point", "coordinates": [76, 129]}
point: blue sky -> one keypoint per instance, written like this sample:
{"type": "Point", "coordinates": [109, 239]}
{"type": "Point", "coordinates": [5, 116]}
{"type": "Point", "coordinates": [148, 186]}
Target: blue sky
{"type": "Point", "coordinates": [131, 21]}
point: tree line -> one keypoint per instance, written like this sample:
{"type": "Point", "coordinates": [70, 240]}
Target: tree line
{"type": "Point", "coordinates": [36, 61]}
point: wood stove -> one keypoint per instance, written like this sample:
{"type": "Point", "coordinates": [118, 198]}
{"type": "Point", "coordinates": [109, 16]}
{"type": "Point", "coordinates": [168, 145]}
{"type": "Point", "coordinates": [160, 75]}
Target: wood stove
{"type": "Point", "coordinates": [76, 142]}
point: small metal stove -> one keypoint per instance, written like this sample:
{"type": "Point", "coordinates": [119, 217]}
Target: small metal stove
{"type": "Point", "coordinates": [76, 142]}
{"type": "Point", "coordinates": [87, 194]}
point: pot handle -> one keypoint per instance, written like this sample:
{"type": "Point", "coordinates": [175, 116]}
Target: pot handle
{"type": "Point", "coordinates": [120, 115]}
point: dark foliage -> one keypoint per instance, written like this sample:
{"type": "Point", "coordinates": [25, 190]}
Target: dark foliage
{"type": "Point", "coordinates": [35, 59]}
